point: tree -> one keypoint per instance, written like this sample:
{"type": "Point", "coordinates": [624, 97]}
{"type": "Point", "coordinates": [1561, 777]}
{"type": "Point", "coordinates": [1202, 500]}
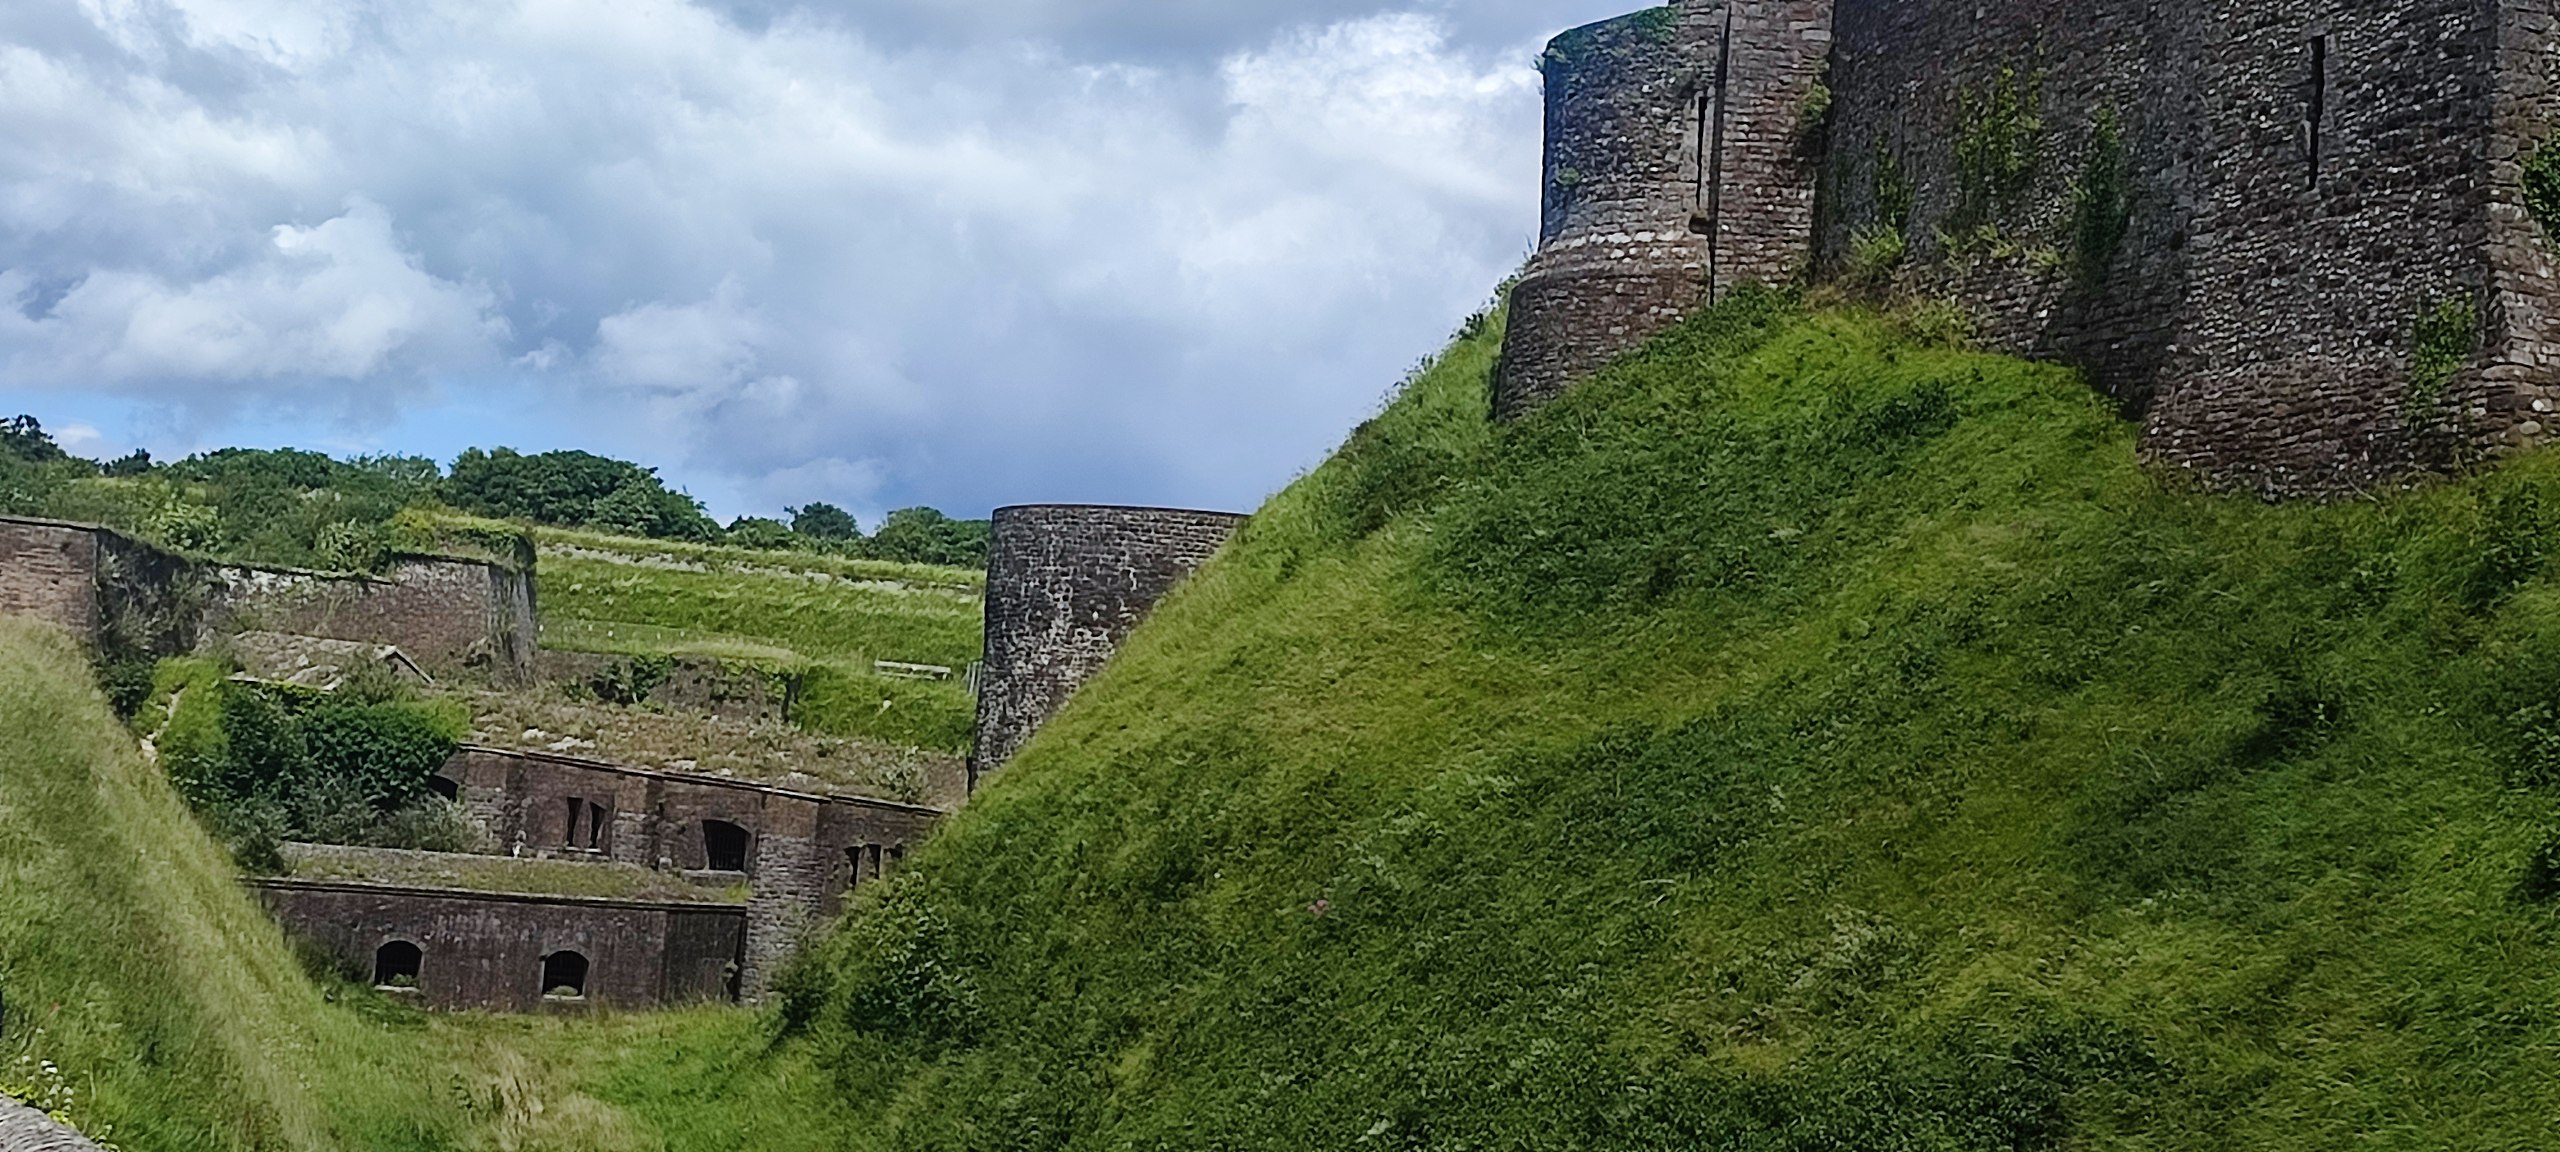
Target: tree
{"type": "Point", "coordinates": [759, 532]}
{"type": "Point", "coordinates": [822, 521]}
{"type": "Point", "coordinates": [25, 438]}
{"type": "Point", "coordinates": [574, 490]}
{"type": "Point", "coordinates": [137, 463]}
{"type": "Point", "coordinates": [926, 536]}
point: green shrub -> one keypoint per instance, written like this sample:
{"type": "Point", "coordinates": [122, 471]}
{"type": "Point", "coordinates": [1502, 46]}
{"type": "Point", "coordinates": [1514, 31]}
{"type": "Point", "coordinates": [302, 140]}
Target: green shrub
{"type": "Point", "coordinates": [1999, 139]}
{"type": "Point", "coordinates": [2541, 883]}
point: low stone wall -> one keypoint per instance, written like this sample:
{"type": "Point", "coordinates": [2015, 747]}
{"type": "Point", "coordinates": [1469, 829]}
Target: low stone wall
{"type": "Point", "coordinates": [1065, 585]}
{"type": "Point", "coordinates": [487, 950]}
{"type": "Point", "coordinates": [802, 851]}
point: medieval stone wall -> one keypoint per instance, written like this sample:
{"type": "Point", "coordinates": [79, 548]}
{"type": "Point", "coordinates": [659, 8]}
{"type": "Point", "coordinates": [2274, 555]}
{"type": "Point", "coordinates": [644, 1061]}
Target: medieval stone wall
{"type": "Point", "coordinates": [1676, 166]}
{"type": "Point", "coordinates": [1065, 585]}
{"type": "Point", "coordinates": [486, 950]}
{"type": "Point", "coordinates": [803, 852]}
{"type": "Point", "coordinates": [2235, 215]}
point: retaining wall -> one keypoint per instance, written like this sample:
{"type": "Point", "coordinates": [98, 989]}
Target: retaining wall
{"type": "Point", "coordinates": [1065, 585]}
{"type": "Point", "coordinates": [486, 950]}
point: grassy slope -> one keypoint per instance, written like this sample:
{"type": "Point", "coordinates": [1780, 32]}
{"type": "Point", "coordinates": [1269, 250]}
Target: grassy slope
{"type": "Point", "coordinates": [738, 604]}
{"type": "Point", "coordinates": [132, 960]}
{"type": "Point", "coordinates": [1799, 738]}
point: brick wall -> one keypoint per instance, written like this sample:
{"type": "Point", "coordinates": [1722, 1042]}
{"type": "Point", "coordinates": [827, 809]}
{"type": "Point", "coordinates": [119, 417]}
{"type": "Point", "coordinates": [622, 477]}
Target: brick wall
{"type": "Point", "coordinates": [801, 846]}
{"type": "Point", "coordinates": [1065, 585]}
{"type": "Point", "coordinates": [49, 572]}
{"type": "Point", "coordinates": [485, 951]}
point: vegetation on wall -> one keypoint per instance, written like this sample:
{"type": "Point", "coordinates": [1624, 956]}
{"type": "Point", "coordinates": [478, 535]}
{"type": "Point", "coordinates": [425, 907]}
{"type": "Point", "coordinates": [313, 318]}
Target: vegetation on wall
{"type": "Point", "coordinates": [2442, 341]}
{"type": "Point", "coordinates": [2101, 201]}
{"type": "Point", "coordinates": [1998, 146]}
{"type": "Point", "coordinates": [2542, 184]}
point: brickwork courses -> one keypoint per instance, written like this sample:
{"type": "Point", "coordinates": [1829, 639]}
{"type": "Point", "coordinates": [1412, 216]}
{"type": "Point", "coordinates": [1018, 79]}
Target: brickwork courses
{"type": "Point", "coordinates": [1065, 585]}
{"type": "Point", "coordinates": [2239, 218]}
{"type": "Point", "coordinates": [488, 950]}
{"type": "Point", "coordinates": [802, 850]}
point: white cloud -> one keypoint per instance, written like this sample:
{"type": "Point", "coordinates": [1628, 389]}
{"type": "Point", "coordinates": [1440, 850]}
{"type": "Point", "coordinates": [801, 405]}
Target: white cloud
{"type": "Point", "coordinates": [338, 301]}
{"type": "Point", "coordinates": [764, 252]}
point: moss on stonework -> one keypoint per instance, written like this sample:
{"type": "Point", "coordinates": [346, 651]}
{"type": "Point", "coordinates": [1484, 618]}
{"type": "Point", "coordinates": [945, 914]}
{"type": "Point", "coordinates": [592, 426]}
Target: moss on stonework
{"type": "Point", "coordinates": [2542, 184]}
{"type": "Point", "coordinates": [2442, 340]}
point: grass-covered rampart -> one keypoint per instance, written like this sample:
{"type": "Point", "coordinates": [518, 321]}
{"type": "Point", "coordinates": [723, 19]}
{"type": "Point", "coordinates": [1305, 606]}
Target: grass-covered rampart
{"type": "Point", "coordinates": [1801, 737]}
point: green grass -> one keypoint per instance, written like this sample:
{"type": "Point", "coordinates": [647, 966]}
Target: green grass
{"type": "Point", "coordinates": [1802, 737]}
{"type": "Point", "coordinates": [780, 616]}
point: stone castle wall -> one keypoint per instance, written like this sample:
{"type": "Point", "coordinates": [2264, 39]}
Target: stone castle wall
{"type": "Point", "coordinates": [1675, 168]}
{"type": "Point", "coordinates": [804, 851]}
{"type": "Point", "coordinates": [1065, 585]}
{"type": "Point", "coordinates": [2302, 181]}
{"type": "Point", "coordinates": [49, 572]}
{"type": "Point", "coordinates": [486, 950]}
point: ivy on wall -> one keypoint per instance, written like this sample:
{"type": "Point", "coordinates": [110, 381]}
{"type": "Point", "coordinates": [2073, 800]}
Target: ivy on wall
{"type": "Point", "coordinates": [2101, 201]}
{"type": "Point", "coordinates": [2000, 132]}
{"type": "Point", "coordinates": [2542, 185]}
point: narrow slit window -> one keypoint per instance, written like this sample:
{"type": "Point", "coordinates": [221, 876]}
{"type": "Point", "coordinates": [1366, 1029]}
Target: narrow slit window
{"type": "Point", "coordinates": [2316, 108]}
{"type": "Point", "coordinates": [595, 827]}
{"type": "Point", "coordinates": [577, 811]}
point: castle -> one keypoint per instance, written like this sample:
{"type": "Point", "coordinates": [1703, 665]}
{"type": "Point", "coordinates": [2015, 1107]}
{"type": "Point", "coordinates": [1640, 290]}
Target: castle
{"type": "Point", "coordinates": [2292, 237]}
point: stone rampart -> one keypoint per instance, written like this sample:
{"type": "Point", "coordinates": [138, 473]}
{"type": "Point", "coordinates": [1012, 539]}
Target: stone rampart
{"type": "Point", "coordinates": [126, 599]}
{"type": "Point", "coordinates": [727, 689]}
{"type": "Point", "coordinates": [481, 950]}
{"type": "Point", "coordinates": [798, 852]}
{"type": "Point", "coordinates": [2289, 235]}
{"type": "Point", "coordinates": [1065, 585]}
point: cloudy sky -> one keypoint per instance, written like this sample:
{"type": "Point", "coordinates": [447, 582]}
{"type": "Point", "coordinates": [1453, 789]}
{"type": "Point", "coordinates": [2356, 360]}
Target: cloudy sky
{"type": "Point", "coordinates": [880, 253]}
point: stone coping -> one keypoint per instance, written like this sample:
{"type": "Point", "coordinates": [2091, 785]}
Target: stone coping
{"type": "Point", "coordinates": [714, 781]}
{"type": "Point", "coordinates": [245, 565]}
{"type": "Point", "coordinates": [1123, 508]}
{"type": "Point", "coordinates": [285, 884]}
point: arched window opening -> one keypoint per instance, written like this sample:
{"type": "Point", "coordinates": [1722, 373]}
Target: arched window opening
{"type": "Point", "coordinates": [724, 846]}
{"type": "Point", "coordinates": [396, 964]}
{"type": "Point", "coordinates": [564, 976]}
{"type": "Point", "coordinates": [445, 787]}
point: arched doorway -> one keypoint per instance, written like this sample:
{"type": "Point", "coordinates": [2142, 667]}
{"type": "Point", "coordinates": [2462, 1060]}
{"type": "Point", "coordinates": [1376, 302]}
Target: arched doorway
{"type": "Point", "coordinates": [396, 965]}
{"type": "Point", "coordinates": [445, 787]}
{"type": "Point", "coordinates": [564, 976]}
{"type": "Point", "coordinates": [724, 846]}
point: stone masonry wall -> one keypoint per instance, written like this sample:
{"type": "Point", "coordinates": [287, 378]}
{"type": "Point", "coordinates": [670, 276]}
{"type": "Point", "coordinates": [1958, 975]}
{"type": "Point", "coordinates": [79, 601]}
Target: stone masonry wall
{"type": "Point", "coordinates": [486, 950]}
{"type": "Point", "coordinates": [804, 851]}
{"type": "Point", "coordinates": [49, 572]}
{"type": "Point", "coordinates": [454, 617]}
{"type": "Point", "coordinates": [2302, 181]}
{"type": "Point", "coordinates": [1675, 168]}
{"type": "Point", "coordinates": [1065, 585]}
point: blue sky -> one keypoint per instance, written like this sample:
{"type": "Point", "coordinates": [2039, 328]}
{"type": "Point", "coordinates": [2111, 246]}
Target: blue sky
{"type": "Point", "coordinates": [887, 253]}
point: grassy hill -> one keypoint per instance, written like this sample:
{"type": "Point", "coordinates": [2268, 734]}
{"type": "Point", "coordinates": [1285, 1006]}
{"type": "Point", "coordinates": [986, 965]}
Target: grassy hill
{"type": "Point", "coordinates": [1806, 736]}
{"type": "Point", "coordinates": [1809, 735]}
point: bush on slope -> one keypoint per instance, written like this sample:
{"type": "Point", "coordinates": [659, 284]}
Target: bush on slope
{"type": "Point", "coordinates": [1801, 737]}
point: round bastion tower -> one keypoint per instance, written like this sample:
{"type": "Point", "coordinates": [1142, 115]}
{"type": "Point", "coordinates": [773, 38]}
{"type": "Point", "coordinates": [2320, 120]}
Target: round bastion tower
{"type": "Point", "coordinates": [1065, 585]}
{"type": "Point", "coordinates": [1676, 167]}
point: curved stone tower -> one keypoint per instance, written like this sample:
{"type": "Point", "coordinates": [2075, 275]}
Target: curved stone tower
{"type": "Point", "coordinates": [1065, 585]}
{"type": "Point", "coordinates": [1676, 167]}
